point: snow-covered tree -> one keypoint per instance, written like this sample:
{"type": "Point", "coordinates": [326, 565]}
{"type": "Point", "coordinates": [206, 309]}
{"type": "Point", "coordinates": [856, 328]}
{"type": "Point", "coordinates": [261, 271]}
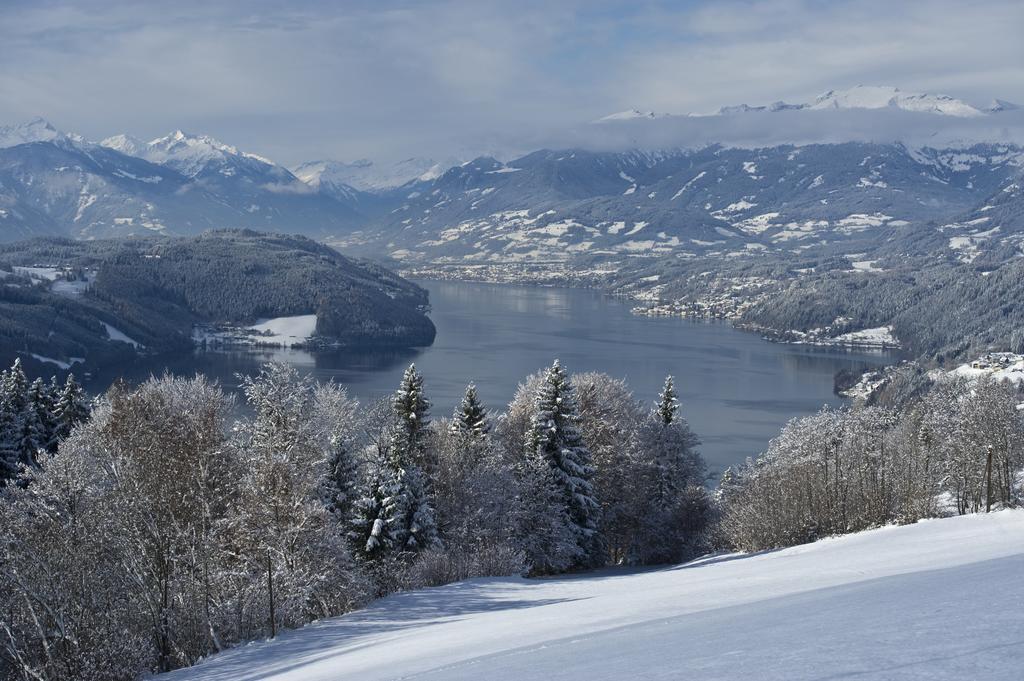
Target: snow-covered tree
{"type": "Point", "coordinates": [408, 509]}
{"type": "Point", "coordinates": [470, 417]}
{"type": "Point", "coordinates": [668, 402]}
{"type": "Point", "coordinates": [19, 423]}
{"type": "Point", "coordinates": [70, 408]}
{"type": "Point", "coordinates": [476, 499]}
{"type": "Point", "coordinates": [296, 557]}
{"type": "Point", "coordinates": [395, 513]}
{"type": "Point", "coordinates": [553, 437]}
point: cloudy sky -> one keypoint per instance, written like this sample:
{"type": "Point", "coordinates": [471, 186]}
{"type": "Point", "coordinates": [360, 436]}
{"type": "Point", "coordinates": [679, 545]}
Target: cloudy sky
{"type": "Point", "coordinates": [386, 79]}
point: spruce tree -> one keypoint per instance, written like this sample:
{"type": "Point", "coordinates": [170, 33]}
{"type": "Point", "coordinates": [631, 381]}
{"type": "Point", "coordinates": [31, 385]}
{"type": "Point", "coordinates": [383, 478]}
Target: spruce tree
{"type": "Point", "coordinates": [668, 404]}
{"type": "Point", "coordinates": [10, 412]}
{"type": "Point", "coordinates": [395, 513]}
{"type": "Point", "coordinates": [410, 514]}
{"type": "Point", "coordinates": [554, 438]}
{"type": "Point", "coordinates": [339, 486]}
{"type": "Point", "coordinates": [369, 532]}
{"type": "Point", "coordinates": [672, 448]}
{"type": "Point", "coordinates": [470, 417]}
{"type": "Point", "coordinates": [19, 426]}
{"type": "Point", "coordinates": [37, 424]}
{"type": "Point", "coordinates": [69, 409]}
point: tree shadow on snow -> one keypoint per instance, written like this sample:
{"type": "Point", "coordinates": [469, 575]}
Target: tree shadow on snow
{"type": "Point", "coordinates": [294, 649]}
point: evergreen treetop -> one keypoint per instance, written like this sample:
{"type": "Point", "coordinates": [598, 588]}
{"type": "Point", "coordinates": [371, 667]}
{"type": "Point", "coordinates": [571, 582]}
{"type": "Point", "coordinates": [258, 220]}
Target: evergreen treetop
{"type": "Point", "coordinates": [470, 417]}
{"type": "Point", "coordinates": [668, 404]}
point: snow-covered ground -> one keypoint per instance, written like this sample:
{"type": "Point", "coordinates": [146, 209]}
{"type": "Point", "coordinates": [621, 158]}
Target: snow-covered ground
{"type": "Point", "coordinates": [999, 366]}
{"type": "Point", "coordinates": [286, 331]}
{"type": "Point", "coordinates": [283, 332]}
{"type": "Point", "coordinates": [115, 334]}
{"type": "Point", "coordinates": [937, 600]}
{"type": "Point", "coordinates": [872, 338]}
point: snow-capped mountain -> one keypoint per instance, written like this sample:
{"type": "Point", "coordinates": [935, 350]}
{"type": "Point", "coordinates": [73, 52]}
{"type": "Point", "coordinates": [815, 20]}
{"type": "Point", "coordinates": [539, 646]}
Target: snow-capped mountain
{"type": "Point", "coordinates": [1002, 105]}
{"type": "Point", "coordinates": [558, 204]}
{"type": "Point", "coordinates": [562, 206]}
{"type": "Point", "coordinates": [55, 183]}
{"type": "Point", "coordinates": [365, 175]}
{"type": "Point", "coordinates": [35, 130]}
{"type": "Point", "coordinates": [126, 144]}
{"type": "Point", "coordinates": [629, 115]}
{"type": "Point", "coordinates": [874, 97]}
{"type": "Point", "coordinates": [191, 155]}
{"type": "Point", "coordinates": [863, 97]}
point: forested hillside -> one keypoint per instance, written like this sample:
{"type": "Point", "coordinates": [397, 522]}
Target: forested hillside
{"type": "Point", "coordinates": [89, 302]}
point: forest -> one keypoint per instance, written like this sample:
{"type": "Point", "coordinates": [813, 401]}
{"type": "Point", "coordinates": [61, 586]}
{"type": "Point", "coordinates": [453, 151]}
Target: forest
{"type": "Point", "coordinates": [155, 289]}
{"type": "Point", "coordinates": [941, 310]}
{"type": "Point", "coordinates": [161, 524]}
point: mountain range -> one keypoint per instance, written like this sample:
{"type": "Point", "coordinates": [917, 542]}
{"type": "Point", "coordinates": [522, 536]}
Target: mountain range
{"type": "Point", "coordinates": [551, 205]}
{"type": "Point", "coordinates": [859, 97]}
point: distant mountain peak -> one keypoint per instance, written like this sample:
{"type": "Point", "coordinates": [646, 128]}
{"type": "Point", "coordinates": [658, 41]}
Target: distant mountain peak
{"type": "Point", "coordinates": [37, 129]}
{"type": "Point", "coordinates": [1002, 105]}
{"type": "Point", "coordinates": [185, 152]}
{"type": "Point", "coordinates": [884, 96]}
{"type": "Point", "coordinates": [366, 175]}
{"type": "Point", "coordinates": [857, 97]}
{"type": "Point", "coordinates": [628, 115]}
{"type": "Point", "coordinates": [126, 144]}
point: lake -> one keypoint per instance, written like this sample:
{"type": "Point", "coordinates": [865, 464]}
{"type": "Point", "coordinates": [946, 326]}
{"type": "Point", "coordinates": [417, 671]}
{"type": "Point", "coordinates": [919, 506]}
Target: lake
{"type": "Point", "coordinates": [736, 389]}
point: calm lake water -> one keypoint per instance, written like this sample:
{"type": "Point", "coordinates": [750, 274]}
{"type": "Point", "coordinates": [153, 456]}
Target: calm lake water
{"type": "Point", "coordinates": [736, 389]}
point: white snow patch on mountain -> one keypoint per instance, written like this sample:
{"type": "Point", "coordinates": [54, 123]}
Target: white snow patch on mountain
{"type": "Point", "coordinates": [688, 185]}
{"type": "Point", "coordinates": [60, 363]}
{"type": "Point", "coordinates": [116, 335]}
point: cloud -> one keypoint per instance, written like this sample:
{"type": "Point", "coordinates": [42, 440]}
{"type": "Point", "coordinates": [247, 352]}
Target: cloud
{"type": "Point", "coordinates": [386, 80]}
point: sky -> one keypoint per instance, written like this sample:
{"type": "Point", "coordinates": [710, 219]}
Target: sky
{"type": "Point", "coordinates": [386, 80]}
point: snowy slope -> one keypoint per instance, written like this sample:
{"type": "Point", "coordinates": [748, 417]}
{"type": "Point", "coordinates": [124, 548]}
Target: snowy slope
{"type": "Point", "coordinates": [366, 175]}
{"type": "Point", "coordinates": [936, 600]}
{"type": "Point", "coordinates": [880, 97]}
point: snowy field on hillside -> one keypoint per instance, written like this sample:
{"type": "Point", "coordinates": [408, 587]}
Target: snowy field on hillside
{"type": "Point", "coordinates": [942, 599]}
{"type": "Point", "coordinates": [286, 331]}
{"type": "Point", "coordinates": [282, 332]}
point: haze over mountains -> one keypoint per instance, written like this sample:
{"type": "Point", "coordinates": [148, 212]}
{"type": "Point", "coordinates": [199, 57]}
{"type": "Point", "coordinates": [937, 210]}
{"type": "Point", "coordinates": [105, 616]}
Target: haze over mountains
{"type": "Point", "coordinates": [619, 193]}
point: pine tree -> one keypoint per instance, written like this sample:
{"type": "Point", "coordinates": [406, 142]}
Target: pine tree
{"type": "Point", "coordinates": [671, 445]}
{"type": "Point", "coordinates": [411, 516]}
{"type": "Point", "coordinates": [554, 438]}
{"type": "Point", "coordinates": [339, 485]}
{"type": "Point", "coordinates": [10, 410]}
{"type": "Point", "coordinates": [369, 533]}
{"type": "Point", "coordinates": [395, 513]}
{"type": "Point", "coordinates": [412, 410]}
{"type": "Point", "coordinates": [37, 425]}
{"type": "Point", "coordinates": [668, 404]}
{"type": "Point", "coordinates": [70, 407]}
{"type": "Point", "coordinates": [470, 417]}
{"type": "Point", "coordinates": [675, 507]}
{"type": "Point", "coordinates": [19, 428]}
